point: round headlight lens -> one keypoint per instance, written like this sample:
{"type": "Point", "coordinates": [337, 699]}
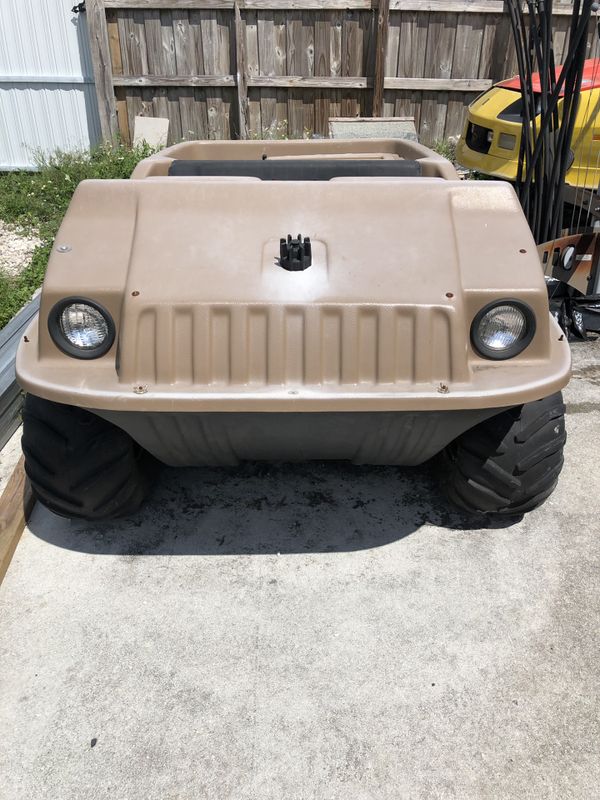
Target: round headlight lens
{"type": "Point", "coordinates": [83, 326]}
{"type": "Point", "coordinates": [503, 329]}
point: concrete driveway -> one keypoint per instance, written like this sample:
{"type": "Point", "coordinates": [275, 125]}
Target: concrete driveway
{"type": "Point", "coordinates": [310, 633]}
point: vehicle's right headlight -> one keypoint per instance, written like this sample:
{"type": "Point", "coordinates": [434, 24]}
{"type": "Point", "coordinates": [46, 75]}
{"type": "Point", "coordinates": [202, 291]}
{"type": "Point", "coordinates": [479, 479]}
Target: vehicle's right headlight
{"type": "Point", "coordinates": [81, 328]}
{"type": "Point", "coordinates": [503, 329]}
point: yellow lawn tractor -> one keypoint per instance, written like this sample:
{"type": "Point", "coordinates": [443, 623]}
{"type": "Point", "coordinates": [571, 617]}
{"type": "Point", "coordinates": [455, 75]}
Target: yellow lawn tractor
{"type": "Point", "coordinates": [491, 137]}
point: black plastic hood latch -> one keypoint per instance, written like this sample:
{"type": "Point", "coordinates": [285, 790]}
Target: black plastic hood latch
{"type": "Point", "coordinates": [295, 254]}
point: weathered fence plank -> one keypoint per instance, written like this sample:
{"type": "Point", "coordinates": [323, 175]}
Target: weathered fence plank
{"type": "Point", "coordinates": [457, 6]}
{"type": "Point", "coordinates": [242, 74]}
{"type": "Point", "coordinates": [295, 81]}
{"type": "Point", "coordinates": [102, 66]}
{"type": "Point", "coordinates": [175, 80]}
{"type": "Point", "coordinates": [383, 26]}
{"type": "Point", "coordinates": [438, 84]}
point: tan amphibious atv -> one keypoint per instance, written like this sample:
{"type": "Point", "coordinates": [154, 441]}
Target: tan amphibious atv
{"type": "Point", "coordinates": [293, 300]}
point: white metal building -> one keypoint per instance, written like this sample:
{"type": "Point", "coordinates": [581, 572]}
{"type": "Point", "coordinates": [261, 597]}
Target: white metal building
{"type": "Point", "coordinates": [47, 96]}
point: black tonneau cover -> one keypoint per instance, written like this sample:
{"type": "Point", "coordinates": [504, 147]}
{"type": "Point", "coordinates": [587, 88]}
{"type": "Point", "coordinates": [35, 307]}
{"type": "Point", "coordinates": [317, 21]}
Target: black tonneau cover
{"type": "Point", "coordinates": [299, 169]}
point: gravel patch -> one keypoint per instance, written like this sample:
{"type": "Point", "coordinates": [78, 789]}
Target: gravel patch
{"type": "Point", "coordinates": [16, 249]}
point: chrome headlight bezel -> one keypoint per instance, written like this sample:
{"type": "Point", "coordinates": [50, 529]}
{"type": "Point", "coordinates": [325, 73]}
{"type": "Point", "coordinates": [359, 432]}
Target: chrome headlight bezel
{"type": "Point", "coordinates": [64, 345]}
{"type": "Point", "coordinates": [515, 349]}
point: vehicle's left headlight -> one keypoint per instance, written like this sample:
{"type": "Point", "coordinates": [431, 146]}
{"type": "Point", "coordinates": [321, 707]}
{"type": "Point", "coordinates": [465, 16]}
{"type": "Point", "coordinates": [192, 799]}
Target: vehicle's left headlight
{"type": "Point", "coordinates": [81, 328]}
{"type": "Point", "coordinates": [503, 329]}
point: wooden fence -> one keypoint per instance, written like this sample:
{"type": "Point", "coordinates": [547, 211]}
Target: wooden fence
{"type": "Point", "coordinates": [221, 69]}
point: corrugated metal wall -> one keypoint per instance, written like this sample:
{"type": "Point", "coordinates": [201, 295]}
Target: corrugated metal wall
{"type": "Point", "coordinates": [47, 96]}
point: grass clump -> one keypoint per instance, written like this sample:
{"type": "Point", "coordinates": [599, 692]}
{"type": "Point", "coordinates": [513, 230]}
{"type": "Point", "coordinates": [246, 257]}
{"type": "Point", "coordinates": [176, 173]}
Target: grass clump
{"type": "Point", "coordinates": [37, 201]}
{"type": "Point", "coordinates": [16, 291]}
{"type": "Point", "coordinates": [446, 148]}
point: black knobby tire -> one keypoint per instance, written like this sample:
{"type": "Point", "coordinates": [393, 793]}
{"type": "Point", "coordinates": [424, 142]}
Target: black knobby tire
{"type": "Point", "coordinates": [510, 463]}
{"type": "Point", "coordinates": [79, 464]}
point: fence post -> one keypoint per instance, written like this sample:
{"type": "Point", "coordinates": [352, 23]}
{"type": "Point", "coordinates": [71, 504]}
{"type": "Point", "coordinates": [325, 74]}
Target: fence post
{"type": "Point", "coordinates": [383, 24]}
{"type": "Point", "coordinates": [242, 73]}
{"type": "Point", "coordinates": [103, 77]}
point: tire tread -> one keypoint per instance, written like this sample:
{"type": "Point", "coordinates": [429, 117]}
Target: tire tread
{"type": "Point", "coordinates": [510, 463]}
{"type": "Point", "coordinates": [80, 465]}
